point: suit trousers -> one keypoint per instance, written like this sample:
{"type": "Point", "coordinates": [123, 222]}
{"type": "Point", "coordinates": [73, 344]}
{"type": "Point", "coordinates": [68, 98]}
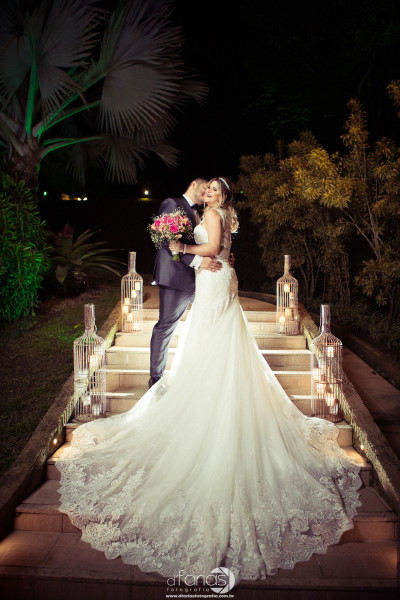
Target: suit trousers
{"type": "Point", "coordinates": [173, 304]}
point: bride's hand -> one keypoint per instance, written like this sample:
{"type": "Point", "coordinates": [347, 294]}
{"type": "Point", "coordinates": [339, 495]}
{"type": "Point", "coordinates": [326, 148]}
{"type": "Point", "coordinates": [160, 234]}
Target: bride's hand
{"type": "Point", "coordinates": [176, 246]}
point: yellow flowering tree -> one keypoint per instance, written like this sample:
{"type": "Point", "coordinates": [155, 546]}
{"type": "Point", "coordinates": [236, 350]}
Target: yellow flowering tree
{"type": "Point", "coordinates": [338, 215]}
{"type": "Point", "coordinates": [295, 217]}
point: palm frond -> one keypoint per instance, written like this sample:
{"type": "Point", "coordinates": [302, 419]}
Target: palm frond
{"type": "Point", "coordinates": [53, 35]}
{"type": "Point", "coordinates": [15, 64]}
{"type": "Point", "coordinates": [118, 76]}
{"type": "Point", "coordinates": [121, 156]}
{"type": "Point", "coordinates": [143, 71]}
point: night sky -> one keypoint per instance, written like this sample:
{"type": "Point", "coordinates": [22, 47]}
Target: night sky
{"type": "Point", "coordinates": [273, 69]}
{"type": "Point", "coordinates": [277, 68]}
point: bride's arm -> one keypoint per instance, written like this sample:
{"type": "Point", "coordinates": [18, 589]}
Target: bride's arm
{"type": "Point", "coordinates": [213, 223]}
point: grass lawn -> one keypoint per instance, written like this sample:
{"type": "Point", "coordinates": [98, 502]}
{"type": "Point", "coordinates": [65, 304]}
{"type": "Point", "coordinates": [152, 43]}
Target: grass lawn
{"type": "Point", "coordinates": [36, 359]}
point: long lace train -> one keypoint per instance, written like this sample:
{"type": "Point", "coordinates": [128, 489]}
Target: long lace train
{"type": "Point", "coordinates": [214, 466]}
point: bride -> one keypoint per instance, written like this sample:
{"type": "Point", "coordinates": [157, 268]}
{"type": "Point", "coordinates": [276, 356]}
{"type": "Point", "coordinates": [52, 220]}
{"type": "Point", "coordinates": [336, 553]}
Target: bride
{"type": "Point", "coordinates": [214, 466]}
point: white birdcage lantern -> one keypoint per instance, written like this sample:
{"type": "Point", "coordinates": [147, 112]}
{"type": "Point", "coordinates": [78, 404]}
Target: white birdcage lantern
{"type": "Point", "coordinates": [132, 298]}
{"type": "Point", "coordinates": [89, 371]}
{"type": "Point", "coordinates": [287, 291]}
{"type": "Point", "coordinates": [326, 371]}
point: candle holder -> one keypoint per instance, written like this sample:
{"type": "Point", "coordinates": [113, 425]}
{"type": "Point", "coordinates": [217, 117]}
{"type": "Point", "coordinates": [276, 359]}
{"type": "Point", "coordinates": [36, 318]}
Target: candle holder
{"type": "Point", "coordinates": [287, 291]}
{"type": "Point", "coordinates": [89, 371]}
{"type": "Point", "coordinates": [132, 298]}
{"type": "Point", "coordinates": [326, 371]}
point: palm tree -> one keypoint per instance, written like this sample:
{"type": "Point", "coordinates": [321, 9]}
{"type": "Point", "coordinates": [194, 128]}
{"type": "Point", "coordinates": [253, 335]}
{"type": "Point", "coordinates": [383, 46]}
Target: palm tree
{"type": "Point", "coordinates": [104, 83]}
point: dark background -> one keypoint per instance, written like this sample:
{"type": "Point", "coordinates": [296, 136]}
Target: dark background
{"type": "Point", "coordinates": [273, 69]}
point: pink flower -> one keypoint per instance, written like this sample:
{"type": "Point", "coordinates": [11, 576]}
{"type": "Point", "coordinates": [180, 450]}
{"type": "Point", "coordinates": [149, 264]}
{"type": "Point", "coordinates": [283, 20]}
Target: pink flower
{"type": "Point", "coordinates": [174, 229]}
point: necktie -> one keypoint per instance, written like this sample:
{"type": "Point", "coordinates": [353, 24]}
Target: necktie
{"type": "Point", "coordinates": [196, 214]}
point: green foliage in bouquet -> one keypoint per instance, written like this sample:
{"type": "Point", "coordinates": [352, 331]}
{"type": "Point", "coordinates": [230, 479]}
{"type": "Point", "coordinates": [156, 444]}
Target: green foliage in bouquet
{"type": "Point", "coordinates": [24, 253]}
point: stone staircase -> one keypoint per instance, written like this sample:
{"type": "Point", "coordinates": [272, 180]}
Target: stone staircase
{"type": "Point", "coordinates": [45, 546]}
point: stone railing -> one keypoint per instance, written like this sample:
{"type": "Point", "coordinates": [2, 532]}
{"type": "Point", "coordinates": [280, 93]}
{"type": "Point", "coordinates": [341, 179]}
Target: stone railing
{"type": "Point", "coordinates": [28, 470]}
{"type": "Point", "coordinates": [366, 433]}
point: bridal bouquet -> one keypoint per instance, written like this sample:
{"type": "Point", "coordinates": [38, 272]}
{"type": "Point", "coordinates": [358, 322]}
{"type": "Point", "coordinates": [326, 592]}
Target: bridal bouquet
{"type": "Point", "coordinates": [169, 227]}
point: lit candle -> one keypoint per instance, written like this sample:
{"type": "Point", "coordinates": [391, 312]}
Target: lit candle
{"type": "Point", "coordinates": [134, 294]}
{"type": "Point", "coordinates": [330, 399]}
{"type": "Point", "coordinates": [316, 373]}
{"type": "Point", "coordinates": [286, 287]}
{"type": "Point", "coordinates": [135, 325]}
{"type": "Point", "coordinates": [282, 319]}
{"type": "Point", "coordinates": [96, 410]}
{"type": "Point", "coordinates": [125, 309]}
{"type": "Point", "coordinates": [80, 386]}
{"type": "Point", "coordinates": [330, 351]}
{"type": "Point", "coordinates": [137, 285]}
{"type": "Point", "coordinates": [287, 311]}
{"type": "Point", "coordinates": [129, 318]}
{"type": "Point", "coordinates": [126, 301]}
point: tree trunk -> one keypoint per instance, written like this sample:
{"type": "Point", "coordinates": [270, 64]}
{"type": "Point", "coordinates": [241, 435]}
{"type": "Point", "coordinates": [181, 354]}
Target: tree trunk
{"type": "Point", "coordinates": [26, 167]}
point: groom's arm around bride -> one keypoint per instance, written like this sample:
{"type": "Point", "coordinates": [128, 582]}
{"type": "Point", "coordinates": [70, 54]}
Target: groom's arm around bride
{"type": "Point", "coordinates": [175, 279]}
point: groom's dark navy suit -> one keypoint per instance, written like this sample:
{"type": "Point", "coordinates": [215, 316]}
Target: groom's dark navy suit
{"type": "Point", "coordinates": [175, 280]}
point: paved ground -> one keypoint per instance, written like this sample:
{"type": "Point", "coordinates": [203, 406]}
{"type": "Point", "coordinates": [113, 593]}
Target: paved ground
{"type": "Point", "coordinates": [380, 397]}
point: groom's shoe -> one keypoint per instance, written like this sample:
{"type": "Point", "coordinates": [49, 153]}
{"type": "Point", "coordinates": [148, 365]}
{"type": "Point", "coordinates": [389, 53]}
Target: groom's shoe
{"type": "Point", "coordinates": [153, 380]}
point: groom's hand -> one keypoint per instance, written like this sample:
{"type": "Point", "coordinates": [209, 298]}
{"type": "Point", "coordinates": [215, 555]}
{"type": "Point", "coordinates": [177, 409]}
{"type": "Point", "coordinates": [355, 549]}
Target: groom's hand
{"type": "Point", "coordinates": [209, 263]}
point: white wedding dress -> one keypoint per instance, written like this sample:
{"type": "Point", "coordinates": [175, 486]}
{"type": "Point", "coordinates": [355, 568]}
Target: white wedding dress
{"type": "Point", "coordinates": [214, 466]}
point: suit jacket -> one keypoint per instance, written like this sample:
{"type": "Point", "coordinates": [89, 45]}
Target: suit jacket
{"type": "Point", "coordinates": [173, 273]}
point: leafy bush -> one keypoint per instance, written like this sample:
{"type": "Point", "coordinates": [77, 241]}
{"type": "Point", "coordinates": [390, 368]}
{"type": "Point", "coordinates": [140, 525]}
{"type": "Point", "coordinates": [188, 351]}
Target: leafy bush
{"type": "Point", "coordinates": [363, 319]}
{"type": "Point", "coordinates": [337, 214]}
{"type": "Point", "coordinates": [74, 258]}
{"type": "Point", "coordinates": [23, 250]}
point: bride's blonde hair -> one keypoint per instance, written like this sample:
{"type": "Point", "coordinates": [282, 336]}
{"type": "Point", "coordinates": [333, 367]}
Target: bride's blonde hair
{"type": "Point", "coordinates": [226, 200]}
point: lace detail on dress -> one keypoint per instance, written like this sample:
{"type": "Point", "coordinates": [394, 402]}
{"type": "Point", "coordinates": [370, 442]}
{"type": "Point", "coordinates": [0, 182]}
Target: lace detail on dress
{"type": "Point", "coordinates": [214, 466]}
{"type": "Point", "coordinates": [216, 291]}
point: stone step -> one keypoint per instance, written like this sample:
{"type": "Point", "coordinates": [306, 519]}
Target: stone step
{"type": "Point", "coordinates": [117, 378]}
{"type": "Point", "coordinates": [124, 398]}
{"type": "Point", "coordinates": [266, 316]}
{"type": "Point", "coordinates": [130, 340]}
{"type": "Point", "coordinates": [280, 342]}
{"type": "Point", "coordinates": [254, 326]}
{"type": "Point", "coordinates": [121, 401]}
{"type": "Point", "coordinates": [344, 439]}
{"type": "Point", "coordinates": [139, 357]}
{"type": "Point", "coordinates": [134, 357]}
{"type": "Point", "coordinates": [293, 378]}
{"type": "Point", "coordinates": [38, 565]}
{"type": "Point", "coordinates": [39, 512]}
{"type": "Point", "coordinates": [264, 340]}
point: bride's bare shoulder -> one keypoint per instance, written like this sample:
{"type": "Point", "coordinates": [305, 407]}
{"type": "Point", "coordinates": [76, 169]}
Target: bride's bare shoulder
{"type": "Point", "coordinates": [213, 214]}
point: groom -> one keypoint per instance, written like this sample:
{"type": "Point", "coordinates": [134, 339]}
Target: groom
{"type": "Point", "coordinates": [175, 279]}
